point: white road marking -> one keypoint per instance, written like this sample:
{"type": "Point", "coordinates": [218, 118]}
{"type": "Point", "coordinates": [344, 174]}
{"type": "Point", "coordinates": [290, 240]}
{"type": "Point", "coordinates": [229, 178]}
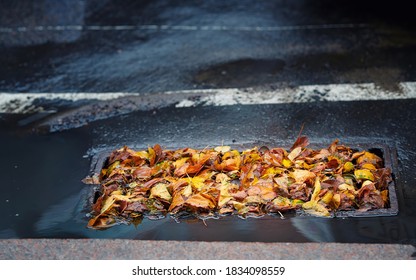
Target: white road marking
{"type": "Point", "coordinates": [303, 94]}
{"type": "Point", "coordinates": [21, 29]}
{"type": "Point", "coordinates": [25, 102]}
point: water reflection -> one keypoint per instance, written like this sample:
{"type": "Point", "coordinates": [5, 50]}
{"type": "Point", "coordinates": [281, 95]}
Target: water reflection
{"type": "Point", "coordinates": [353, 230]}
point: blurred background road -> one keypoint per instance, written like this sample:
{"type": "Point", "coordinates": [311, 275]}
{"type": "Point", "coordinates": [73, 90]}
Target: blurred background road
{"type": "Point", "coordinates": [154, 46]}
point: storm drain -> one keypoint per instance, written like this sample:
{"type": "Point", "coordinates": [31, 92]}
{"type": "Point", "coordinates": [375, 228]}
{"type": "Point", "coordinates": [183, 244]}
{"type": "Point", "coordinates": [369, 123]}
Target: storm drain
{"type": "Point", "coordinates": [125, 200]}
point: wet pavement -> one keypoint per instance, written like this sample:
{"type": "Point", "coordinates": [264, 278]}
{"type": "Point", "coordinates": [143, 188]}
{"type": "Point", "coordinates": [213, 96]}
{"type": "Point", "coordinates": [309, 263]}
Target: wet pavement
{"type": "Point", "coordinates": [154, 46]}
{"type": "Point", "coordinates": [147, 48]}
{"type": "Point", "coordinates": [47, 199]}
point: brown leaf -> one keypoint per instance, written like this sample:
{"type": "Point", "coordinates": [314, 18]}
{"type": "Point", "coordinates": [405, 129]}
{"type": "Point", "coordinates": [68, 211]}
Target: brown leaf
{"type": "Point", "coordinates": [137, 206]}
{"type": "Point", "coordinates": [201, 201]}
{"type": "Point", "coordinates": [382, 178]}
{"type": "Point", "coordinates": [369, 197]}
{"type": "Point", "coordinates": [301, 142]}
{"type": "Point", "coordinates": [239, 195]}
{"type": "Point", "coordinates": [274, 157]}
{"type": "Point", "coordinates": [98, 204]}
{"type": "Point", "coordinates": [177, 203]}
{"type": "Point", "coordinates": [158, 153]}
{"type": "Point", "coordinates": [120, 155]}
{"type": "Point", "coordinates": [102, 222]}
{"type": "Point", "coordinates": [91, 180]}
{"type": "Point", "coordinates": [152, 182]}
{"type": "Point", "coordinates": [142, 172]}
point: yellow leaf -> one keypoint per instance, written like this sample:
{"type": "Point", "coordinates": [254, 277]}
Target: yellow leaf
{"type": "Point", "coordinates": [230, 154]}
{"type": "Point", "coordinates": [224, 196]}
{"type": "Point", "coordinates": [315, 208]}
{"type": "Point", "coordinates": [348, 166]}
{"type": "Point", "coordinates": [336, 200]}
{"type": "Point", "coordinates": [152, 156]}
{"type": "Point", "coordinates": [142, 154]}
{"type": "Point", "coordinates": [286, 163]}
{"type": "Point", "coordinates": [327, 198]}
{"type": "Point", "coordinates": [240, 207]}
{"type": "Point", "coordinates": [251, 156]}
{"type": "Point", "coordinates": [196, 182]}
{"type": "Point", "coordinates": [108, 204]}
{"type": "Point", "coordinates": [282, 201]}
{"type": "Point", "coordinates": [121, 197]}
{"type": "Point", "coordinates": [271, 172]}
{"type": "Point", "coordinates": [368, 166]}
{"type": "Point", "coordinates": [368, 157]}
{"type": "Point", "coordinates": [363, 174]}
{"type": "Point", "coordinates": [316, 190]}
{"type": "Point", "coordinates": [307, 166]}
{"type": "Point", "coordinates": [296, 202]}
{"type": "Point", "coordinates": [385, 195]}
{"type": "Point", "coordinates": [178, 163]}
{"type": "Point", "coordinates": [160, 191]}
{"type": "Point", "coordinates": [113, 166]}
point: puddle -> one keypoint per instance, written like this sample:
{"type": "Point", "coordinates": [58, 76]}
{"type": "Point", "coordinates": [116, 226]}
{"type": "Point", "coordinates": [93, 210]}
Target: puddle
{"type": "Point", "coordinates": [43, 196]}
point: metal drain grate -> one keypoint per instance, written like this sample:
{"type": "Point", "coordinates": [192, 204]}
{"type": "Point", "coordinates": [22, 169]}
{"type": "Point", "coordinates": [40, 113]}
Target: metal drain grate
{"type": "Point", "coordinates": [382, 150]}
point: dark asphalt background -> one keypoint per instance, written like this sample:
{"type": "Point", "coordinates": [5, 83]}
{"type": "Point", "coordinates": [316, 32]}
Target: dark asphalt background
{"type": "Point", "coordinates": [42, 194]}
{"type": "Point", "coordinates": [380, 50]}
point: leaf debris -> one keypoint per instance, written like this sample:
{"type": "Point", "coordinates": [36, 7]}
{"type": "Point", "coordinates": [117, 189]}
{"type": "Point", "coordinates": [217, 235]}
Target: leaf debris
{"type": "Point", "coordinates": [223, 181]}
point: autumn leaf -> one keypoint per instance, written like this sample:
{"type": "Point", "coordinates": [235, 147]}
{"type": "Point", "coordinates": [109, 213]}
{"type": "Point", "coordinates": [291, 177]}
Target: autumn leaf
{"type": "Point", "coordinates": [200, 201]}
{"type": "Point", "coordinates": [177, 202]}
{"type": "Point", "coordinates": [313, 206]}
{"type": "Point", "coordinates": [294, 153]}
{"type": "Point", "coordinates": [363, 174]}
{"type": "Point", "coordinates": [160, 191]}
{"type": "Point", "coordinates": [301, 142]}
{"type": "Point", "coordinates": [302, 176]}
{"type": "Point", "coordinates": [368, 157]}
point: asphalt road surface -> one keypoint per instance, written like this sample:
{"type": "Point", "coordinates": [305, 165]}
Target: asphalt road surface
{"type": "Point", "coordinates": [198, 73]}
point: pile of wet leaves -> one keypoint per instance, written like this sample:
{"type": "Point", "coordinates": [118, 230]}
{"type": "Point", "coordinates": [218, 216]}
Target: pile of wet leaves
{"type": "Point", "coordinates": [219, 181]}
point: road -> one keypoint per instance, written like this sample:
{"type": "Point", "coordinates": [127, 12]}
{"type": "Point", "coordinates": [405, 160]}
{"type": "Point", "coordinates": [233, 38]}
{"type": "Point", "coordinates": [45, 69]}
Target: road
{"type": "Point", "coordinates": [191, 73]}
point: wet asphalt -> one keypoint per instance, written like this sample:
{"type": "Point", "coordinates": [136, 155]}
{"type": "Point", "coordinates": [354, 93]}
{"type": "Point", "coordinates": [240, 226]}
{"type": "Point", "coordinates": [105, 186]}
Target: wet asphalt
{"type": "Point", "coordinates": [178, 45]}
{"type": "Point", "coordinates": [184, 45]}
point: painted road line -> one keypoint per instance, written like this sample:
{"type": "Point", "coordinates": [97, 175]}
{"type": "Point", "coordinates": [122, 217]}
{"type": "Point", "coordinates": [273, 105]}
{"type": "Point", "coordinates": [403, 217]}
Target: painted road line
{"type": "Point", "coordinates": [29, 102]}
{"type": "Point", "coordinates": [303, 94]}
{"type": "Point", "coordinates": [61, 28]}
{"type": "Point", "coordinates": [18, 103]}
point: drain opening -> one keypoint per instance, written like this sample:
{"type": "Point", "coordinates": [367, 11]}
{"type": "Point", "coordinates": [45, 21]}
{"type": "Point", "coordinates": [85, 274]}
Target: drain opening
{"type": "Point", "coordinates": [102, 160]}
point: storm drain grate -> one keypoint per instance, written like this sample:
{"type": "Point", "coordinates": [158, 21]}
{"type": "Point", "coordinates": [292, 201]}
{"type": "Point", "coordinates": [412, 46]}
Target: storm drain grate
{"type": "Point", "coordinates": [100, 161]}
